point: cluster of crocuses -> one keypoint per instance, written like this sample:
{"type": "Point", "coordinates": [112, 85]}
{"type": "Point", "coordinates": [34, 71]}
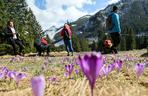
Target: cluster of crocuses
{"type": "Point", "coordinates": [18, 58]}
{"type": "Point", "coordinates": [92, 67]}
{"type": "Point", "coordinates": [12, 75]}
{"type": "Point", "coordinates": [68, 60]}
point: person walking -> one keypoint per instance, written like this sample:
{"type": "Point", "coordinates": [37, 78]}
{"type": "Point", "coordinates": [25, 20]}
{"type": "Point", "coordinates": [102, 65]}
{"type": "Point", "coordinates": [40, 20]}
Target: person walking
{"type": "Point", "coordinates": [13, 37]}
{"type": "Point", "coordinates": [66, 33]}
{"type": "Point", "coordinates": [114, 28]}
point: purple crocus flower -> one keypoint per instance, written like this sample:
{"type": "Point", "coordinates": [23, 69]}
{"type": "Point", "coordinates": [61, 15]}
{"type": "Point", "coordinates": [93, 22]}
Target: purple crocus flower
{"type": "Point", "coordinates": [19, 77]}
{"type": "Point", "coordinates": [112, 66]}
{"type": "Point", "coordinates": [13, 59]}
{"type": "Point", "coordinates": [11, 74]}
{"type": "Point", "coordinates": [66, 74]}
{"type": "Point", "coordinates": [107, 69]}
{"type": "Point", "coordinates": [139, 69]}
{"type": "Point", "coordinates": [118, 65]}
{"type": "Point", "coordinates": [52, 79]}
{"type": "Point", "coordinates": [5, 70]}
{"type": "Point", "coordinates": [38, 85]}
{"type": "Point", "coordinates": [91, 65]}
{"type": "Point", "coordinates": [1, 75]}
{"type": "Point", "coordinates": [77, 71]}
{"type": "Point", "coordinates": [69, 68]}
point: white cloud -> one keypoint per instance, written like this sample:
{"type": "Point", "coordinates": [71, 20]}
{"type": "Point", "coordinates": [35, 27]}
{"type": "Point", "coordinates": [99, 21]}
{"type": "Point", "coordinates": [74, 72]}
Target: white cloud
{"type": "Point", "coordinates": [54, 14]}
{"type": "Point", "coordinates": [112, 1]}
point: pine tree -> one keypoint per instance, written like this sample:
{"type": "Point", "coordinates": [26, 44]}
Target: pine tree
{"type": "Point", "coordinates": [84, 44]}
{"type": "Point", "coordinates": [76, 43]}
{"type": "Point", "coordinates": [24, 19]}
{"type": "Point", "coordinates": [122, 45]}
{"type": "Point", "coordinates": [131, 39]}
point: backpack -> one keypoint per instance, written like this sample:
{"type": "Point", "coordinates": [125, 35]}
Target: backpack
{"type": "Point", "coordinates": [109, 24]}
{"type": "Point", "coordinates": [44, 41]}
{"type": "Point", "coordinates": [66, 35]}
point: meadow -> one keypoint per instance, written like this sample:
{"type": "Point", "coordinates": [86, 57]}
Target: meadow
{"type": "Point", "coordinates": [58, 83]}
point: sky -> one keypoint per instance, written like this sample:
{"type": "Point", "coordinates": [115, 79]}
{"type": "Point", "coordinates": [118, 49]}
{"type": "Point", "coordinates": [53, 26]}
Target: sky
{"type": "Point", "coordinates": [56, 12]}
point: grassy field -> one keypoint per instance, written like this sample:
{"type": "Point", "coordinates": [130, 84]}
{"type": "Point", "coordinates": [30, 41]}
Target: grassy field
{"type": "Point", "coordinates": [123, 83]}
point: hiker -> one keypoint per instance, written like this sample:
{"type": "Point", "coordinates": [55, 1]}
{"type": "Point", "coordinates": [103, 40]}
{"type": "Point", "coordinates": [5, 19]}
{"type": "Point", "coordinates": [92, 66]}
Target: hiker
{"type": "Point", "coordinates": [66, 33]}
{"type": "Point", "coordinates": [113, 25]}
{"type": "Point", "coordinates": [12, 37]}
{"type": "Point", "coordinates": [41, 45]}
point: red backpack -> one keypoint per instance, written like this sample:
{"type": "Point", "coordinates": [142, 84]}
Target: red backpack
{"type": "Point", "coordinates": [44, 41]}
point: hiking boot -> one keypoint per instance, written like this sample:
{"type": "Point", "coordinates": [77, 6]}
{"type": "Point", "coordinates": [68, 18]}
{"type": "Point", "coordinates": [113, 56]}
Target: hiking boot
{"type": "Point", "coordinates": [68, 54]}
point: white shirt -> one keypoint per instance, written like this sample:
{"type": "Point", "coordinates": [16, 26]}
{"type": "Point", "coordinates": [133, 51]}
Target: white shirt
{"type": "Point", "coordinates": [13, 31]}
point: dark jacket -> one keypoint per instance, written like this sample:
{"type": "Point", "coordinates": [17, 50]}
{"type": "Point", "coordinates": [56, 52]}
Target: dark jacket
{"type": "Point", "coordinates": [9, 34]}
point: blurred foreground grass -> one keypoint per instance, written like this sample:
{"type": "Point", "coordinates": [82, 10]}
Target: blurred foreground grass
{"type": "Point", "coordinates": [117, 84]}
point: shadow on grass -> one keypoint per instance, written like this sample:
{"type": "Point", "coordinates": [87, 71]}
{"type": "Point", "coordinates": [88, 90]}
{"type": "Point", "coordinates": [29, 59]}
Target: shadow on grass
{"type": "Point", "coordinates": [5, 90]}
{"type": "Point", "coordinates": [144, 55]}
{"type": "Point", "coordinates": [33, 55]}
{"type": "Point", "coordinates": [145, 84]}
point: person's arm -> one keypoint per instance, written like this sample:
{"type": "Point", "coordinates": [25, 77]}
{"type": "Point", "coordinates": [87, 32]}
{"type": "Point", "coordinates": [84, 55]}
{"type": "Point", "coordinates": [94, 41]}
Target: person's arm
{"type": "Point", "coordinates": [8, 33]}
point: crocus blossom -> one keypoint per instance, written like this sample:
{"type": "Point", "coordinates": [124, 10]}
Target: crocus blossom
{"type": "Point", "coordinates": [1, 75]}
{"type": "Point", "coordinates": [91, 65]}
{"type": "Point", "coordinates": [107, 70]}
{"type": "Point", "coordinates": [19, 76]}
{"type": "Point", "coordinates": [13, 59]}
{"type": "Point", "coordinates": [118, 65]}
{"type": "Point", "coordinates": [69, 68]}
{"type": "Point", "coordinates": [11, 74]}
{"type": "Point", "coordinates": [52, 79]}
{"type": "Point", "coordinates": [38, 85]}
{"type": "Point", "coordinates": [77, 71]}
{"type": "Point", "coordinates": [139, 69]}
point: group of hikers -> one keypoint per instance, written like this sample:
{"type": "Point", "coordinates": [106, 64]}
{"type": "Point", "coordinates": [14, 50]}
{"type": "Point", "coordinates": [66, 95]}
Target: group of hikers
{"type": "Point", "coordinates": [41, 44]}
